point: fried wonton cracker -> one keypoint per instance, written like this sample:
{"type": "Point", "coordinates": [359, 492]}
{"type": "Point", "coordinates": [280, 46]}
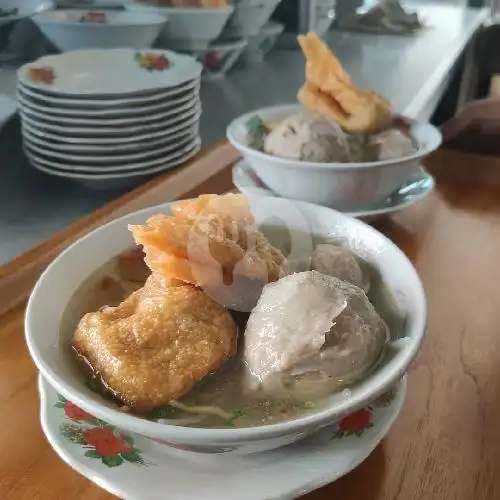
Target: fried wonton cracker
{"type": "Point", "coordinates": [329, 91]}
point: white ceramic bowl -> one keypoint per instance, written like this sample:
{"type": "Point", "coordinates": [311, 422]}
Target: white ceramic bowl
{"type": "Point", "coordinates": [249, 18]}
{"type": "Point", "coordinates": [189, 29]}
{"type": "Point", "coordinates": [49, 345]}
{"type": "Point", "coordinates": [325, 14]}
{"type": "Point", "coordinates": [345, 186]}
{"type": "Point", "coordinates": [63, 28]}
{"type": "Point", "coordinates": [219, 58]}
{"type": "Point", "coordinates": [13, 10]}
{"type": "Point", "coordinates": [262, 43]}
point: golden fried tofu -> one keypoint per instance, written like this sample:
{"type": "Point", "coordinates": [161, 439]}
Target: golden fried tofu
{"type": "Point", "coordinates": [157, 344]}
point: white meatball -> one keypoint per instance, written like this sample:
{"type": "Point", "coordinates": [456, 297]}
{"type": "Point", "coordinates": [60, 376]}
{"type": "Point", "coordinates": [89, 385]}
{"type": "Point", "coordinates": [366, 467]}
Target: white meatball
{"type": "Point", "coordinates": [308, 137]}
{"type": "Point", "coordinates": [312, 323]}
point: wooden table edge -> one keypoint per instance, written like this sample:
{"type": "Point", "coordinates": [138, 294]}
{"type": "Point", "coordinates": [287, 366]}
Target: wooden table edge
{"type": "Point", "coordinates": [18, 276]}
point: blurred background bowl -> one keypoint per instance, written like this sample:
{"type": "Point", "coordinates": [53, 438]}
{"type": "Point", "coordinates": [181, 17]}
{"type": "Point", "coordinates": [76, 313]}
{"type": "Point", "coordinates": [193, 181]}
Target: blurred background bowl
{"type": "Point", "coordinates": [249, 17]}
{"type": "Point", "coordinates": [67, 30]}
{"type": "Point", "coordinates": [13, 10]}
{"type": "Point", "coordinates": [344, 186]}
{"type": "Point", "coordinates": [262, 43]}
{"type": "Point", "coordinates": [189, 29]}
{"type": "Point", "coordinates": [220, 57]}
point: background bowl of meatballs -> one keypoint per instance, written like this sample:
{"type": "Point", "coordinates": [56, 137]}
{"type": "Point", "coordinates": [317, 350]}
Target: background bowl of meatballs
{"type": "Point", "coordinates": [306, 157]}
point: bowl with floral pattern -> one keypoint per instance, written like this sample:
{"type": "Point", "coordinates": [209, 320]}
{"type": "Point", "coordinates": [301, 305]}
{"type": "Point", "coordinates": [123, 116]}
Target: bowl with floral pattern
{"type": "Point", "coordinates": [51, 317]}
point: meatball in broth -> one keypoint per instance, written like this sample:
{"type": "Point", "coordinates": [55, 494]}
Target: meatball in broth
{"type": "Point", "coordinates": [309, 334]}
{"type": "Point", "coordinates": [339, 262]}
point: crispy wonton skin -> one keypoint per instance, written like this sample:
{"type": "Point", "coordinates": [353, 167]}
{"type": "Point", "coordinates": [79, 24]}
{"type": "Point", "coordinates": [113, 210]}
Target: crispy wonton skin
{"type": "Point", "coordinates": [329, 91]}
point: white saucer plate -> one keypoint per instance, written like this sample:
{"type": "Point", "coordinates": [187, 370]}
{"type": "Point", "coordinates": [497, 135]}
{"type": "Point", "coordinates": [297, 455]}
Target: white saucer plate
{"type": "Point", "coordinates": [108, 162]}
{"type": "Point", "coordinates": [247, 182]}
{"type": "Point", "coordinates": [41, 106]}
{"type": "Point", "coordinates": [135, 468]}
{"type": "Point", "coordinates": [52, 143]}
{"type": "Point", "coordinates": [151, 116]}
{"type": "Point", "coordinates": [119, 132]}
{"type": "Point", "coordinates": [113, 72]}
{"type": "Point", "coordinates": [105, 181]}
{"type": "Point", "coordinates": [8, 108]}
{"type": "Point", "coordinates": [110, 103]}
{"type": "Point", "coordinates": [111, 141]}
{"type": "Point", "coordinates": [159, 159]}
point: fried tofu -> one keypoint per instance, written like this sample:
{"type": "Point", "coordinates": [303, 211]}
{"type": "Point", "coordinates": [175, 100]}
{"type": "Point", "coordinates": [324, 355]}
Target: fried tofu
{"type": "Point", "coordinates": [157, 344]}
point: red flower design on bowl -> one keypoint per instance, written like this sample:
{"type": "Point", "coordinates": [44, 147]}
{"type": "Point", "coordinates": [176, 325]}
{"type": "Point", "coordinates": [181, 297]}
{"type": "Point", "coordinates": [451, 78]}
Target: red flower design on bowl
{"type": "Point", "coordinates": [75, 413]}
{"type": "Point", "coordinates": [106, 442]}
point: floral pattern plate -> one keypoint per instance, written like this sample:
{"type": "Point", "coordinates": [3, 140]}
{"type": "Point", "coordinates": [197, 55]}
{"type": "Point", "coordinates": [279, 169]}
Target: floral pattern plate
{"type": "Point", "coordinates": [111, 72]}
{"type": "Point", "coordinates": [135, 468]}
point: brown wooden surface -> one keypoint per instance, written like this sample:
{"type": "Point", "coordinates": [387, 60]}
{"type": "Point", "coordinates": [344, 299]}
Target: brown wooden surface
{"type": "Point", "coordinates": [445, 445]}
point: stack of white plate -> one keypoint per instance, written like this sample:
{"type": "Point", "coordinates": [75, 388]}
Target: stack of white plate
{"type": "Point", "coordinates": [109, 118]}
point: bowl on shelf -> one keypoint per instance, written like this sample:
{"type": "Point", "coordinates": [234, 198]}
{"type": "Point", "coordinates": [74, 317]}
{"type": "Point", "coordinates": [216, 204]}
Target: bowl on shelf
{"type": "Point", "coordinates": [14, 10]}
{"type": "Point", "coordinates": [346, 186]}
{"type": "Point", "coordinates": [249, 17]}
{"type": "Point", "coordinates": [84, 29]}
{"type": "Point", "coordinates": [325, 15]}
{"type": "Point", "coordinates": [189, 28]}
{"type": "Point", "coordinates": [262, 43]}
{"type": "Point", "coordinates": [220, 57]}
{"type": "Point", "coordinates": [49, 338]}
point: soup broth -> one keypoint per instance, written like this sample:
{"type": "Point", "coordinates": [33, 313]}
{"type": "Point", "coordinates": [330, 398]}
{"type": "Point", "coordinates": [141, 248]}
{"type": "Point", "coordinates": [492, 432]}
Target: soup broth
{"type": "Point", "coordinates": [225, 389]}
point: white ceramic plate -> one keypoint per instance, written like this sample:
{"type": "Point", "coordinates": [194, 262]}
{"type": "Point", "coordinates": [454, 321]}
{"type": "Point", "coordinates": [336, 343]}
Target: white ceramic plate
{"type": "Point", "coordinates": [103, 176]}
{"type": "Point", "coordinates": [41, 106]}
{"type": "Point", "coordinates": [120, 132]}
{"type": "Point", "coordinates": [110, 104]}
{"type": "Point", "coordinates": [153, 116]}
{"type": "Point", "coordinates": [115, 149]}
{"type": "Point", "coordinates": [107, 162]}
{"type": "Point", "coordinates": [92, 141]}
{"type": "Point", "coordinates": [144, 470]}
{"type": "Point", "coordinates": [85, 166]}
{"type": "Point", "coordinates": [112, 72]}
{"type": "Point", "coordinates": [8, 108]}
{"type": "Point", "coordinates": [24, 8]}
{"type": "Point", "coordinates": [247, 182]}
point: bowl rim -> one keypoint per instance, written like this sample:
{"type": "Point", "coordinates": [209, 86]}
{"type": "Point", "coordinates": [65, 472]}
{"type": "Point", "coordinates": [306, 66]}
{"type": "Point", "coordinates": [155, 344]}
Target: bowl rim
{"type": "Point", "coordinates": [139, 7]}
{"type": "Point", "coordinates": [380, 382]}
{"type": "Point", "coordinates": [140, 18]}
{"type": "Point", "coordinates": [247, 151]}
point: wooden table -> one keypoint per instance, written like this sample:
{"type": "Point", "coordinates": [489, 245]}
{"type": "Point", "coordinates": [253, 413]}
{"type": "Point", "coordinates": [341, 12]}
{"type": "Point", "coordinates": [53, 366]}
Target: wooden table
{"type": "Point", "coordinates": [445, 445]}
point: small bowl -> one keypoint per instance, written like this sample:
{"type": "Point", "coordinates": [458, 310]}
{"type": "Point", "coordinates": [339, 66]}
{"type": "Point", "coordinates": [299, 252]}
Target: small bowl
{"type": "Point", "coordinates": [111, 29]}
{"type": "Point", "coordinates": [49, 341]}
{"type": "Point", "coordinates": [189, 29]}
{"type": "Point", "coordinates": [345, 186]}
{"type": "Point", "coordinates": [220, 57]}
{"type": "Point", "coordinates": [325, 14]}
{"type": "Point", "coordinates": [249, 17]}
{"type": "Point", "coordinates": [260, 45]}
{"type": "Point", "coordinates": [14, 10]}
